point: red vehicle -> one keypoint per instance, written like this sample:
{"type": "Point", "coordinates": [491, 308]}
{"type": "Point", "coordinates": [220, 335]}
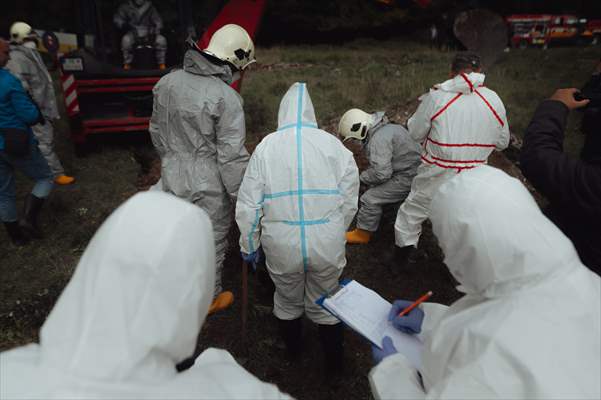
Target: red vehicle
{"type": "Point", "coordinates": [593, 31]}
{"type": "Point", "coordinates": [528, 30]}
{"type": "Point", "coordinates": [101, 97]}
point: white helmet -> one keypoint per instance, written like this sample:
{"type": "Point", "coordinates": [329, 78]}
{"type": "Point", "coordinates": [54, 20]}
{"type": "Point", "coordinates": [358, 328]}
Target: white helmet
{"type": "Point", "coordinates": [354, 124]}
{"type": "Point", "coordinates": [232, 43]}
{"type": "Point", "coordinates": [20, 31]}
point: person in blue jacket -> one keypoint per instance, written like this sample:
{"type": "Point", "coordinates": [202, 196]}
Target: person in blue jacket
{"type": "Point", "coordinates": [17, 111]}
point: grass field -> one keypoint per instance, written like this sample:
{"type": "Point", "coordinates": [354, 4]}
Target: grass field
{"type": "Point", "coordinates": [367, 74]}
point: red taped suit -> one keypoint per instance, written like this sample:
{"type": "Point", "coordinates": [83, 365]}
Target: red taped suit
{"type": "Point", "coordinates": [459, 123]}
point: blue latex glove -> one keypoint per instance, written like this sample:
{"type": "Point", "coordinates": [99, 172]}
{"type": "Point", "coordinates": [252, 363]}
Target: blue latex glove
{"type": "Point", "coordinates": [249, 258]}
{"type": "Point", "coordinates": [409, 323]}
{"type": "Point", "coordinates": [252, 258]}
{"type": "Point", "coordinates": [387, 349]}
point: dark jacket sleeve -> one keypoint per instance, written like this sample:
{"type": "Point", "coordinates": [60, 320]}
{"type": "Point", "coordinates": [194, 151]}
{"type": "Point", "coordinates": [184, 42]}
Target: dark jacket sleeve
{"type": "Point", "coordinates": [25, 109]}
{"type": "Point", "coordinates": [563, 180]}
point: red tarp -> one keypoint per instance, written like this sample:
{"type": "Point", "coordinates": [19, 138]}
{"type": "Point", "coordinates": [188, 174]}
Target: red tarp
{"type": "Point", "coordinates": [246, 13]}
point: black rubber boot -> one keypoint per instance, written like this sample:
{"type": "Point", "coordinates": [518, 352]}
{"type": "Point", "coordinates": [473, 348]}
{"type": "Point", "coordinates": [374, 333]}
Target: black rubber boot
{"type": "Point", "coordinates": [291, 332]}
{"type": "Point", "coordinates": [15, 233]}
{"type": "Point", "coordinates": [332, 343]}
{"type": "Point", "coordinates": [29, 222]}
{"type": "Point", "coordinates": [265, 286]}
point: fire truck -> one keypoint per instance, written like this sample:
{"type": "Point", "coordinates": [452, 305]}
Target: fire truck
{"type": "Point", "coordinates": [542, 30]}
{"type": "Point", "coordinates": [528, 30]}
{"type": "Point", "coordinates": [593, 31]}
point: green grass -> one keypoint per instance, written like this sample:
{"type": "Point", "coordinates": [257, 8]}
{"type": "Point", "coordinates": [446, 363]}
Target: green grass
{"type": "Point", "coordinates": [367, 74]}
{"type": "Point", "coordinates": [383, 76]}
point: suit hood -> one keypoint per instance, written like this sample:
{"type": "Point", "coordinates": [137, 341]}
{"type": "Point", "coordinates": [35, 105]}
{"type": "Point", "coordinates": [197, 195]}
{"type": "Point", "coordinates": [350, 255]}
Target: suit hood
{"type": "Point", "coordinates": [196, 63]}
{"type": "Point", "coordinates": [462, 83]}
{"type": "Point", "coordinates": [296, 107]}
{"type": "Point", "coordinates": [139, 295]}
{"type": "Point", "coordinates": [495, 238]}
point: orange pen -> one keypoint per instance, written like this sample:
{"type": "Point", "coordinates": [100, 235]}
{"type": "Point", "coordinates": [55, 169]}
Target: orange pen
{"type": "Point", "coordinates": [416, 303]}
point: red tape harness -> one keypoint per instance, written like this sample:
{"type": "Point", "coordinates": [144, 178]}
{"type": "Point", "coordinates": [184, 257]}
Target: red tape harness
{"type": "Point", "coordinates": [459, 144]}
{"type": "Point", "coordinates": [490, 107]}
{"type": "Point", "coordinates": [469, 83]}
{"type": "Point", "coordinates": [443, 109]}
{"type": "Point", "coordinates": [434, 159]}
{"type": "Point", "coordinates": [459, 169]}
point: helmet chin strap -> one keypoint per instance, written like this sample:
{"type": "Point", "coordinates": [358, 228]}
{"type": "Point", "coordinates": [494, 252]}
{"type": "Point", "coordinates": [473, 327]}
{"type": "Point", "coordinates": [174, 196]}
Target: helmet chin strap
{"type": "Point", "coordinates": [368, 125]}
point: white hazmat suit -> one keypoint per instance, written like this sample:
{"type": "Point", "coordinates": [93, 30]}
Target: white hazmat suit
{"type": "Point", "coordinates": [132, 310]}
{"type": "Point", "coordinates": [459, 123]}
{"type": "Point", "coordinates": [198, 129]}
{"type": "Point", "coordinates": [27, 65]}
{"type": "Point", "coordinates": [529, 325]}
{"type": "Point", "coordinates": [298, 197]}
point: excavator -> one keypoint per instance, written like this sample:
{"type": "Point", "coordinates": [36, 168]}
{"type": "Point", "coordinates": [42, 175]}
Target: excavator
{"type": "Point", "coordinates": [102, 97]}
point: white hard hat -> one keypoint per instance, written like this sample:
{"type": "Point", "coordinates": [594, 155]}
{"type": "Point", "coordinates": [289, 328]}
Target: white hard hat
{"type": "Point", "coordinates": [354, 124]}
{"type": "Point", "coordinates": [232, 43]}
{"type": "Point", "coordinates": [20, 31]}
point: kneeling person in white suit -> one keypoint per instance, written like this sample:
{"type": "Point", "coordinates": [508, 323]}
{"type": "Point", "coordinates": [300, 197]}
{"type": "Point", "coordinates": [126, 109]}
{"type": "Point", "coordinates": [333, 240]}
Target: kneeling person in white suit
{"type": "Point", "coordinates": [529, 325]}
{"type": "Point", "coordinates": [131, 312]}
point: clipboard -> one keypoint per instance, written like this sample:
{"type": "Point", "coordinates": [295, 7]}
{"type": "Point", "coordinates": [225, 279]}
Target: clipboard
{"type": "Point", "coordinates": [366, 312]}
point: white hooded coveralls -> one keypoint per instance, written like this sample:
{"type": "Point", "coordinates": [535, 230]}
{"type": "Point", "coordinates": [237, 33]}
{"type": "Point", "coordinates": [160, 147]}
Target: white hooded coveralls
{"type": "Point", "coordinates": [298, 197]}
{"type": "Point", "coordinates": [132, 310]}
{"type": "Point", "coordinates": [27, 65]}
{"type": "Point", "coordinates": [459, 123]}
{"type": "Point", "coordinates": [198, 129]}
{"type": "Point", "coordinates": [529, 326]}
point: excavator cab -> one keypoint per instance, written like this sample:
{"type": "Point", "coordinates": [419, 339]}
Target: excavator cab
{"type": "Point", "coordinates": [103, 97]}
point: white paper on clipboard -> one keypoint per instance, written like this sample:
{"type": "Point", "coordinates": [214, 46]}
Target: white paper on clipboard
{"type": "Point", "coordinates": [366, 312]}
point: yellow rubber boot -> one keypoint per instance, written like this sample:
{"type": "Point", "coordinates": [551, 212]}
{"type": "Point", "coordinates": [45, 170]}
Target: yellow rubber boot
{"type": "Point", "coordinates": [64, 180]}
{"type": "Point", "coordinates": [221, 302]}
{"type": "Point", "coordinates": [358, 236]}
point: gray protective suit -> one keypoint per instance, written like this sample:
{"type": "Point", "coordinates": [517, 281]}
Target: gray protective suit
{"type": "Point", "coordinates": [144, 20]}
{"type": "Point", "coordinates": [393, 161]}
{"type": "Point", "coordinates": [198, 129]}
{"type": "Point", "coordinates": [27, 65]}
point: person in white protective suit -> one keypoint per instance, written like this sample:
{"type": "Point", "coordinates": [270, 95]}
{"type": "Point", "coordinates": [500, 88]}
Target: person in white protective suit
{"type": "Point", "coordinates": [143, 22]}
{"type": "Point", "coordinates": [459, 123]}
{"type": "Point", "coordinates": [529, 325]}
{"type": "Point", "coordinates": [298, 197]}
{"type": "Point", "coordinates": [198, 129]}
{"type": "Point", "coordinates": [393, 160]}
{"type": "Point", "coordinates": [27, 65]}
{"type": "Point", "coordinates": [130, 313]}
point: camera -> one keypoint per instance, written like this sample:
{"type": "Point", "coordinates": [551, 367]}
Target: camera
{"type": "Point", "coordinates": [593, 94]}
{"type": "Point", "coordinates": [591, 91]}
